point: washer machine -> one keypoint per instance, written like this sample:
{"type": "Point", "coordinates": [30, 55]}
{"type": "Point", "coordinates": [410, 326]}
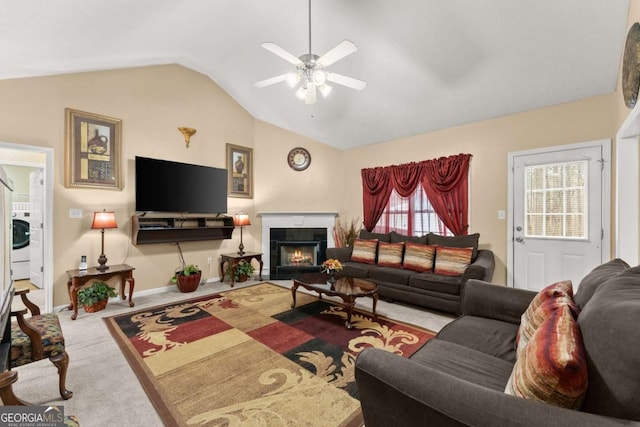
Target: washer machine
{"type": "Point", "coordinates": [20, 252]}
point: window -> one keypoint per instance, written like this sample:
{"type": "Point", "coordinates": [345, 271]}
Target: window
{"type": "Point", "coordinates": [556, 200]}
{"type": "Point", "coordinates": [411, 216]}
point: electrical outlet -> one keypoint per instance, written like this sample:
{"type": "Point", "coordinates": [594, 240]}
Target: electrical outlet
{"type": "Point", "coordinates": [209, 261]}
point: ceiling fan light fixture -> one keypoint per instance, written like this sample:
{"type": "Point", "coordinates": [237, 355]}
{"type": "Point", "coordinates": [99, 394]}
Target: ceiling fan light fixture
{"type": "Point", "coordinates": [293, 79]}
{"type": "Point", "coordinates": [301, 92]}
{"type": "Point", "coordinates": [311, 75]}
{"type": "Point", "coordinates": [319, 77]}
{"type": "Point", "coordinates": [325, 90]}
{"type": "Point", "coordinates": [311, 94]}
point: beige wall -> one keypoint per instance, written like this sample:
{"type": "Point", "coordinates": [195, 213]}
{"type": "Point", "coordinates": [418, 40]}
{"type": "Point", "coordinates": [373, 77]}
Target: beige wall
{"type": "Point", "coordinates": [489, 142]}
{"type": "Point", "coordinates": [280, 188]}
{"type": "Point", "coordinates": [152, 102]}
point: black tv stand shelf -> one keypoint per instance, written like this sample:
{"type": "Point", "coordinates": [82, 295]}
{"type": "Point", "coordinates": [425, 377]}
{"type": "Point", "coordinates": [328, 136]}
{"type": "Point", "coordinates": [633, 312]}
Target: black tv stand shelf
{"type": "Point", "coordinates": [166, 228]}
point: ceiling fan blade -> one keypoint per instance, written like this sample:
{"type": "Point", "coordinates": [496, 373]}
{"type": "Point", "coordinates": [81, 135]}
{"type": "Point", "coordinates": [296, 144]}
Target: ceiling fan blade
{"type": "Point", "coordinates": [274, 48]}
{"type": "Point", "coordinates": [311, 94]}
{"type": "Point", "coordinates": [343, 49]}
{"type": "Point", "coordinates": [346, 81]}
{"type": "Point", "coordinates": [272, 80]}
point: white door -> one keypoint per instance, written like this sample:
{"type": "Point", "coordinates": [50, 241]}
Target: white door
{"type": "Point", "coordinates": [36, 251]}
{"type": "Point", "coordinates": [557, 210]}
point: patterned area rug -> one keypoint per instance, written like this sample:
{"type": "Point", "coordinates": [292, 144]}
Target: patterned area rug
{"type": "Point", "coordinates": [245, 357]}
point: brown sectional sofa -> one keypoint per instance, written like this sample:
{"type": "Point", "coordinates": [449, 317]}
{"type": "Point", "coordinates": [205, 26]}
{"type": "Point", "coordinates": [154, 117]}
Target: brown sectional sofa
{"type": "Point", "coordinates": [459, 377]}
{"type": "Point", "coordinates": [429, 290]}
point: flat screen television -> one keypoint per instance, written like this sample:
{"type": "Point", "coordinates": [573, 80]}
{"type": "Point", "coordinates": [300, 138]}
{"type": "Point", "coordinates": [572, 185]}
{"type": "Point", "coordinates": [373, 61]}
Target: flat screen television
{"type": "Point", "coordinates": [166, 186]}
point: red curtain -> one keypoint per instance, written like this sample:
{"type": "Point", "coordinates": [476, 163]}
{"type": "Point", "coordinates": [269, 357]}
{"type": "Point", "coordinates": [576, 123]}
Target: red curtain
{"type": "Point", "coordinates": [406, 178]}
{"type": "Point", "coordinates": [445, 182]}
{"type": "Point", "coordinates": [377, 186]}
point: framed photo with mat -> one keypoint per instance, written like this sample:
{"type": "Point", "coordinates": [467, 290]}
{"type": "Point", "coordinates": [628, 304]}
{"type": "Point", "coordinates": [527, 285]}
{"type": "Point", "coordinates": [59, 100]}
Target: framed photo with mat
{"type": "Point", "coordinates": [93, 145]}
{"type": "Point", "coordinates": [239, 171]}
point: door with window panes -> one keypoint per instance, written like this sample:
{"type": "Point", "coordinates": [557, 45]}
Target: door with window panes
{"type": "Point", "coordinates": [557, 220]}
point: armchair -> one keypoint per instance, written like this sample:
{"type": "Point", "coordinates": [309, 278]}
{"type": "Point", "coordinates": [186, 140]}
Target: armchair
{"type": "Point", "coordinates": [36, 337]}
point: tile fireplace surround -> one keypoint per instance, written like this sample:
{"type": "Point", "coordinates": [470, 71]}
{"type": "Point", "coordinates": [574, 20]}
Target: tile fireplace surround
{"type": "Point", "coordinates": [294, 220]}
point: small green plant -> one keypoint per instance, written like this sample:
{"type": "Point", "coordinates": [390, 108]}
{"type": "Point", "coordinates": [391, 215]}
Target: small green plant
{"type": "Point", "coordinates": [98, 291]}
{"type": "Point", "coordinates": [243, 268]}
{"type": "Point", "coordinates": [186, 270]}
{"type": "Point", "coordinates": [190, 269]}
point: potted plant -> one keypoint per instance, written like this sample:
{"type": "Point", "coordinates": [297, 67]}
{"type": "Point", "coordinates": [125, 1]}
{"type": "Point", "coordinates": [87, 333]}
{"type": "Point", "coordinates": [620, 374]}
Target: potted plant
{"type": "Point", "coordinates": [94, 298]}
{"type": "Point", "coordinates": [243, 271]}
{"type": "Point", "coordinates": [187, 278]}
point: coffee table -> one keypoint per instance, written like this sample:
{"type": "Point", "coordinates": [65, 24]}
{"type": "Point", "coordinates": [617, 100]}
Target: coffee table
{"type": "Point", "coordinates": [346, 287]}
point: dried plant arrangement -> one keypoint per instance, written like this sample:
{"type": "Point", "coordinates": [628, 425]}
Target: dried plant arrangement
{"type": "Point", "coordinates": [345, 234]}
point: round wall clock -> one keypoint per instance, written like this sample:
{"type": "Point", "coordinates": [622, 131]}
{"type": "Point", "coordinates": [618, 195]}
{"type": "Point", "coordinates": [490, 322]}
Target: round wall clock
{"type": "Point", "coordinates": [299, 159]}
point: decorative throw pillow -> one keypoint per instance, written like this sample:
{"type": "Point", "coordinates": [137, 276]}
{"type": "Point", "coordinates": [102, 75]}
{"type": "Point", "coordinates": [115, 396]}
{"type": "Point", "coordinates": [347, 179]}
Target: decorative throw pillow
{"type": "Point", "coordinates": [364, 251]}
{"type": "Point", "coordinates": [544, 311]}
{"type": "Point", "coordinates": [553, 291]}
{"type": "Point", "coordinates": [390, 254]}
{"type": "Point", "coordinates": [452, 261]}
{"type": "Point", "coordinates": [553, 368]}
{"type": "Point", "coordinates": [418, 257]}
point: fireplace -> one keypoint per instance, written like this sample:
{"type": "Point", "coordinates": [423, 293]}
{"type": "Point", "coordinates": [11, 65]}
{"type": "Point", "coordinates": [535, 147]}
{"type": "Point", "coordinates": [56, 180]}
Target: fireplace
{"type": "Point", "coordinates": [295, 242]}
{"type": "Point", "coordinates": [296, 250]}
{"type": "Point", "coordinates": [298, 254]}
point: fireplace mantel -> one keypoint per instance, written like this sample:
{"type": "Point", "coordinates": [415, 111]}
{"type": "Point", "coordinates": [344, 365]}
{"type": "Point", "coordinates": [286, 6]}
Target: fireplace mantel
{"type": "Point", "coordinates": [294, 220]}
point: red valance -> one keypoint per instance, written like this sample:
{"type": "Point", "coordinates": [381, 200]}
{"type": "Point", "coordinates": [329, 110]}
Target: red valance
{"type": "Point", "coordinates": [444, 181]}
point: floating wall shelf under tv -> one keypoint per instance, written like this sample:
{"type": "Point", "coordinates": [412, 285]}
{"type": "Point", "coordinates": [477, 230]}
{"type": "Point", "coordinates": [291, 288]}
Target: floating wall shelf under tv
{"type": "Point", "coordinates": [166, 228]}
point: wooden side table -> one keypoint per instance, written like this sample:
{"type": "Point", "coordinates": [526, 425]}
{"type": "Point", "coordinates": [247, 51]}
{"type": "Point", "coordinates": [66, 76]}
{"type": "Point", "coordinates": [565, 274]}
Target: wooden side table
{"type": "Point", "coordinates": [79, 278]}
{"type": "Point", "coordinates": [234, 259]}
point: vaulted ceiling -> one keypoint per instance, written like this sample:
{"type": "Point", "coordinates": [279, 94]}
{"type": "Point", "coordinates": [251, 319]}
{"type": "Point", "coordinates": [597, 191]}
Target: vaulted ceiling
{"type": "Point", "coordinates": [428, 64]}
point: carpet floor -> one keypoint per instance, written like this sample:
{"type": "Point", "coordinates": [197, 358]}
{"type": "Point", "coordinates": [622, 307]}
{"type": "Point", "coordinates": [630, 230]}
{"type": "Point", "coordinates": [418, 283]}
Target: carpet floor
{"type": "Point", "coordinates": [244, 356]}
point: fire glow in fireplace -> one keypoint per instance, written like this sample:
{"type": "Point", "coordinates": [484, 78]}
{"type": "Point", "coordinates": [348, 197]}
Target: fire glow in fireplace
{"type": "Point", "coordinates": [296, 250]}
{"type": "Point", "coordinates": [299, 254]}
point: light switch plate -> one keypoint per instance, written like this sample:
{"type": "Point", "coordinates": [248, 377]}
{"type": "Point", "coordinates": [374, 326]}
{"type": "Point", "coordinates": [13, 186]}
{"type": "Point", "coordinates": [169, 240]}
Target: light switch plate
{"type": "Point", "coordinates": [501, 214]}
{"type": "Point", "coordinates": [75, 213]}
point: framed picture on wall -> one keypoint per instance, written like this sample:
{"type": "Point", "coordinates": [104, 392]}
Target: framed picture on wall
{"type": "Point", "coordinates": [93, 145]}
{"type": "Point", "coordinates": [240, 171]}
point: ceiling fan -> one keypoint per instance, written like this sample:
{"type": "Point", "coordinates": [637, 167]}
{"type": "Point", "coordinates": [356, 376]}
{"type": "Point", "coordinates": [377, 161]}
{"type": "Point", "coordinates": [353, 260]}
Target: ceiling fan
{"type": "Point", "coordinates": [311, 74]}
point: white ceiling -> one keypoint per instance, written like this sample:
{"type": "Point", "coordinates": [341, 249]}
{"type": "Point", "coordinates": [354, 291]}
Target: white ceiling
{"type": "Point", "coordinates": [429, 64]}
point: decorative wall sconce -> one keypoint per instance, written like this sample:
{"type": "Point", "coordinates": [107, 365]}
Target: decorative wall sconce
{"type": "Point", "coordinates": [188, 133]}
